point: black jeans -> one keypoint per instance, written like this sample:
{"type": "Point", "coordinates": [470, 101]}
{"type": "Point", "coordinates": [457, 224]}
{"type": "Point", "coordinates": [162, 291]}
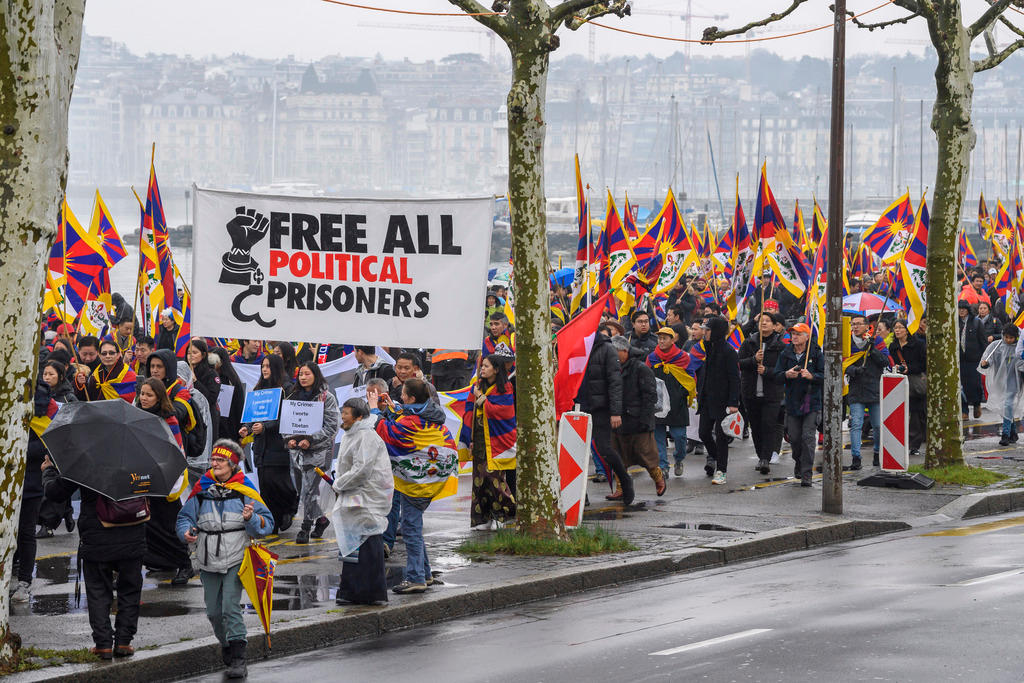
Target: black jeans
{"type": "Point", "coordinates": [99, 592]}
{"type": "Point", "coordinates": [25, 553]}
{"type": "Point", "coordinates": [765, 428]}
{"type": "Point", "coordinates": [601, 437]}
{"type": "Point", "coordinates": [715, 441]}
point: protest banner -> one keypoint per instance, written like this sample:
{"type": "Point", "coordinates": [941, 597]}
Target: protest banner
{"type": "Point", "coordinates": [302, 417]}
{"type": "Point", "coordinates": [407, 273]}
{"type": "Point", "coordinates": [261, 405]}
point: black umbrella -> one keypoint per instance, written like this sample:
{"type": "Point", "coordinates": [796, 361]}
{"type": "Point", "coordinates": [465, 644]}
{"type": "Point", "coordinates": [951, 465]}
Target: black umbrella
{"type": "Point", "coordinates": [115, 449]}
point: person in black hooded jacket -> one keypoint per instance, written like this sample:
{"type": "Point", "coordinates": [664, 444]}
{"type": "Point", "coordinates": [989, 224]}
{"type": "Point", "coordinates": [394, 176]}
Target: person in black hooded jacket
{"type": "Point", "coordinates": [718, 394]}
{"type": "Point", "coordinates": [205, 381]}
{"type": "Point", "coordinates": [600, 395]}
{"type": "Point", "coordinates": [105, 552]}
{"type": "Point", "coordinates": [761, 393]}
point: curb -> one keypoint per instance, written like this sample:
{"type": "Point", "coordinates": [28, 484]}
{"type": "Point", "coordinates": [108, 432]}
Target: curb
{"type": "Point", "coordinates": [200, 656]}
{"type": "Point", "coordinates": [983, 504]}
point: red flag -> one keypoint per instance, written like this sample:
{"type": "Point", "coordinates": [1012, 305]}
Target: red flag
{"type": "Point", "coordinates": [574, 343]}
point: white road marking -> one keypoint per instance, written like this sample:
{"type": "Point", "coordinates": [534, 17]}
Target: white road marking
{"type": "Point", "coordinates": [989, 577]}
{"type": "Point", "coordinates": [712, 641]}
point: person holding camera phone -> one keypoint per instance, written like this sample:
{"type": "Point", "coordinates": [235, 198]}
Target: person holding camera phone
{"type": "Point", "coordinates": [909, 353]}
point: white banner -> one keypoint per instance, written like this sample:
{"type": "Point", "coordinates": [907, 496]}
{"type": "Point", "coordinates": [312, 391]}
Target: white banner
{"type": "Point", "coordinates": [408, 273]}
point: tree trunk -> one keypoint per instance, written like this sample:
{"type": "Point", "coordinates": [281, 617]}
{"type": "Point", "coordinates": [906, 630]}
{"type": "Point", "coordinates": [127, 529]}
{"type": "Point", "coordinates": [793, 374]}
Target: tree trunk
{"type": "Point", "coordinates": [39, 44]}
{"type": "Point", "coordinates": [951, 121]}
{"type": "Point", "coordinates": [538, 511]}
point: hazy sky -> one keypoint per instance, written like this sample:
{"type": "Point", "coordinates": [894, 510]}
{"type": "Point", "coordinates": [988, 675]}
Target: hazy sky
{"type": "Point", "coordinates": [310, 29]}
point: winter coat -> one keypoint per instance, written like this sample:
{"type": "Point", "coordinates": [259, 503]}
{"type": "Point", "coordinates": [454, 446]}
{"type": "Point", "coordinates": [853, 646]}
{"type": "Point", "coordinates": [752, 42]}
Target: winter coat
{"type": "Point", "coordinates": [639, 394]}
{"type": "Point", "coordinates": [771, 388]}
{"type": "Point", "coordinates": [223, 532]}
{"type": "Point", "coordinates": [601, 390]}
{"type": "Point", "coordinates": [166, 339]}
{"type": "Point", "coordinates": [364, 484]}
{"type": "Point", "coordinates": [991, 327]}
{"type": "Point", "coordinates": [975, 340]}
{"type": "Point", "coordinates": [645, 343]}
{"type": "Point", "coordinates": [380, 369]}
{"type": "Point", "coordinates": [718, 378]}
{"type": "Point", "coordinates": [321, 444]}
{"type": "Point", "coordinates": [96, 542]}
{"type": "Point", "coordinates": [206, 382]}
{"type": "Point", "coordinates": [863, 376]}
{"type": "Point", "coordinates": [803, 396]}
{"type": "Point", "coordinates": [678, 397]}
{"type": "Point", "coordinates": [913, 355]}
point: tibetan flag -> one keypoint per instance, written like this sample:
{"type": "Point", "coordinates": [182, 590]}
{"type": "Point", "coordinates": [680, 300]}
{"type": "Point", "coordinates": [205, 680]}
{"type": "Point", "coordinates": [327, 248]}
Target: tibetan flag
{"type": "Point", "coordinates": [913, 265]}
{"type": "Point", "coordinates": [39, 423]}
{"type": "Point", "coordinates": [256, 573]}
{"type": "Point", "coordinates": [458, 408]}
{"type": "Point", "coordinates": [84, 263]}
{"type": "Point", "coordinates": [815, 311]}
{"type": "Point", "coordinates": [499, 422]}
{"type": "Point", "coordinates": [889, 235]}
{"type": "Point", "coordinates": [184, 326]}
{"type": "Point", "coordinates": [801, 237]}
{"type": "Point", "coordinates": [629, 222]}
{"type": "Point", "coordinates": [735, 338]}
{"type": "Point", "coordinates": [742, 259]}
{"type": "Point", "coordinates": [1003, 226]}
{"type": "Point", "coordinates": [768, 218]}
{"type": "Point", "coordinates": [156, 223]}
{"type": "Point", "coordinates": [581, 285]}
{"type": "Point", "coordinates": [697, 356]}
{"type": "Point", "coordinates": [676, 244]}
{"type": "Point", "coordinates": [985, 224]}
{"type": "Point", "coordinates": [619, 257]}
{"type": "Point", "coordinates": [101, 227]}
{"type": "Point", "coordinates": [678, 365]}
{"type": "Point", "coordinates": [424, 456]}
{"type": "Point", "coordinates": [121, 385]}
{"type": "Point", "coordinates": [789, 264]}
{"type": "Point", "coordinates": [1010, 274]}
{"type": "Point", "coordinates": [818, 225]}
{"type": "Point", "coordinates": [647, 245]}
{"type": "Point", "coordinates": [968, 259]}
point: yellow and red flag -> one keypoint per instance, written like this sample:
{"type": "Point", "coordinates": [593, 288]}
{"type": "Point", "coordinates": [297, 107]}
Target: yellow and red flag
{"type": "Point", "coordinates": [257, 576]}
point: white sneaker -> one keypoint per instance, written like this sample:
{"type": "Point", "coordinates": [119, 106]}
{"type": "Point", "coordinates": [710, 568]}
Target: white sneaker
{"type": "Point", "coordinates": [22, 592]}
{"type": "Point", "coordinates": [486, 526]}
{"type": "Point", "coordinates": [719, 477]}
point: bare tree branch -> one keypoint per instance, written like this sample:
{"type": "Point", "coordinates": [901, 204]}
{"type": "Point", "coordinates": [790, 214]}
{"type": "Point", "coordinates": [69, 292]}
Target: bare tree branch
{"type": "Point", "coordinates": [990, 42]}
{"type": "Point", "coordinates": [997, 59]}
{"type": "Point", "coordinates": [713, 33]}
{"type": "Point", "coordinates": [578, 12]}
{"type": "Point", "coordinates": [1008, 24]}
{"type": "Point", "coordinates": [496, 23]}
{"type": "Point", "coordinates": [881, 24]}
{"type": "Point", "coordinates": [995, 8]}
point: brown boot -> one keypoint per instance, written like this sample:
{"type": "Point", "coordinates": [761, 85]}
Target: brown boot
{"type": "Point", "coordinates": [659, 480]}
{"type": "Point", "coordinates": [977, 412]}
{"type": "Point", "coordinates": [618, 492]}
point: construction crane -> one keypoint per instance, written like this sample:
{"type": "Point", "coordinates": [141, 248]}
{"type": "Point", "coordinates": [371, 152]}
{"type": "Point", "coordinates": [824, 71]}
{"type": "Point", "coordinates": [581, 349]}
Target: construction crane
{"type": "Point", "coordinates": [688, 16]}
{"type": "Point", "coordinates": [482, 32]}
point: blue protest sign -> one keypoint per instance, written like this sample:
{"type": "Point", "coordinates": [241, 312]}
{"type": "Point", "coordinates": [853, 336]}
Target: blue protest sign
{"type": "Point", "coordinates": [261, 405]}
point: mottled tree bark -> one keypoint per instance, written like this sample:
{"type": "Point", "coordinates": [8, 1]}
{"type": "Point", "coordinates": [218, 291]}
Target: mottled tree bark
{"type": "Point", "coordinates": [951, 121]}
{"type": "Point", "coordinates": [39, 45]}
{"type": "Point", "coordinates": [528, 28]}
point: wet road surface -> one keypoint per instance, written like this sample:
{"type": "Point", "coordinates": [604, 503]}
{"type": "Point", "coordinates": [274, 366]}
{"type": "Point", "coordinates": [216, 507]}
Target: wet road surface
{"type": "Point", "coordinates": [933, 604]}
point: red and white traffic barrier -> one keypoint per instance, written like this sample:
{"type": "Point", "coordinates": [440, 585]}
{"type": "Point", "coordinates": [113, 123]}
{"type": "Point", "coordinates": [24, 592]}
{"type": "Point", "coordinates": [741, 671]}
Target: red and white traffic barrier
{"type": "Point", "coordinates": [895, 392]}
{"type": "Point", "coordinates": [574, 431]}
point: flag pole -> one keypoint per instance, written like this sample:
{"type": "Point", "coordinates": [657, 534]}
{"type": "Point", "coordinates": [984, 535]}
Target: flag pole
{"type": "Point", "coordinates": [64, 256]}
{"type": "Point", "coordinates": [138, 273]}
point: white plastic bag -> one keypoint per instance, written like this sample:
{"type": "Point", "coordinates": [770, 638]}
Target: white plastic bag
{"type": "Point", "coordinates": [732, 425]}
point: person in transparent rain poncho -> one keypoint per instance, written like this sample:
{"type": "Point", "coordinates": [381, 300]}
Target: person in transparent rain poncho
{"type": "Point", "coordinates": [1001, 365]}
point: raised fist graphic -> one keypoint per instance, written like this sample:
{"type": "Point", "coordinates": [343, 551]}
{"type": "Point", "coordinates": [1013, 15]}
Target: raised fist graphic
{"type": "Point", "coordinates": [246, 229]}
